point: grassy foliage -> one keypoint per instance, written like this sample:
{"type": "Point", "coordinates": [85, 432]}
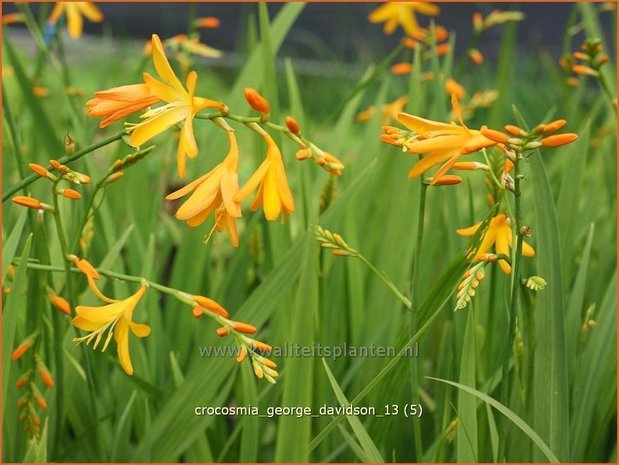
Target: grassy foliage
{"type": "Point", "coordinates": [562, 402]}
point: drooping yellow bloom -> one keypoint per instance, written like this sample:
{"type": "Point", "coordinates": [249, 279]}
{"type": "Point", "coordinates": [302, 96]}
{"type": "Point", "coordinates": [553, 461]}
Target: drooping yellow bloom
{"type": "Point", "coordinates": [118, 102]}
{"type": "Point", "coordinates": [116, 319]}
{"type": "Point", "coordinates": [395, 14]}
{"type": "Point", "coordinates": [441, 142]}
{"type": "Point", "coordinates": [389, 111]}
{"type": "Point", "coordinates": [181, 106]}
{"type": "Point", "coordinates": [74, 12]}
{"type": "Point", "coordinates": [214, 192]}
{"type": "Point", "coordinates": [270, 179]}
{"type": "Point", "coordinates": [499, 234]}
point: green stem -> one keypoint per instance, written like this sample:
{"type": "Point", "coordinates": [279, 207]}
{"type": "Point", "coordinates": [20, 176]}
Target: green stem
{"type": "Point", "coordinates": [421, 215]}
{"type": "Point", "coordinates": [607, 91]}
{"type": "Point", "coordinates": [66, 159]}
{"type": "Point", "coordinates": [62, 239]}
{"type": "Point", "coordinates": [387, 281]}
{"type": "Point", "coordinates": [513, 312]}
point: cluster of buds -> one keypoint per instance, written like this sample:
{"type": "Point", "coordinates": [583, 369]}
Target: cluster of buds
{"type": "Point", "coordinates": [398, 137]}
{"type": "Point", "coordinates": [585, 62]}
{"type": "Point", "coordinates": [516, 139]}
{"type": "Point", "coordinates": [496, 17]}
{"type": "Point", "coordinates": [424, 40]}
{"type": "Point", "coordinates": [262, 366]}
{"type": "Point", "coordinates": [334, 241]}
{"type": "Point", "coordinates": [32, 397]}
{"type": "Point", "coordinates": [470, 282]}
{"type": "Point", "coordinates": [535, 283]}
{"type": "Point", "coordinates": [293, 129]}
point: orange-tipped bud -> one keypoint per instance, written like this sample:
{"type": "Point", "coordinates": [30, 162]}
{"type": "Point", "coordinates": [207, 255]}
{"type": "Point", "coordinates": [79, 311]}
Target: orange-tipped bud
{"type": "Point", "coordinates": [256, 101]}
{"type": "Point", "coordinates": [242, 355]}
{"type": "Point", "coordinates": [573, 81]}
{"type": "Point", "coordinates": [40, 91]}
{"type": "Point", "coordinates": [210, 305]}
{"type": "Point", "coordinates": [515, 130]}
{"type": "Point", "coordinates": [441, 34]}
{"type": "Point", "coordinates": [494, 135]}
{"type": "Point", "coordinates": [244, 327]}
{"type": "Point", "coordinates": [580, 56]}
{"type": "Point", "coordinates": [12, 18]}
{"type": "Point", "coordinates": [38, 169]}
{"type": "Point", "coordinates": [476, 56]}
{"type": "Point", "coordinates": [207, 22]}
{"type": "Point", "coordinates": [303, 154]}
{"type": "Point", "coordinates": [59, 303]}
{"type": "Point", "coordinates": [554, 126]}
{"type": "Point", "coordinates": [21, 349]}
{"type": "Point", "coordinates": [115, 177]}
{"type": "Point", "coordinates": [442, 49]}
{"type": "Point", "coordinates": [558, 140]}
{"type": "Point", "coordinates": [478, 21]}
{"type": "Point", "coordinates": [70, 194]}
{"type": "Point", "coordinates": [46, 376]}
{"type": "Point", "coordinates": [390, 140]}
{"type": "Point", "coordinates": [55, 164]}
{"type": "Point", "coordinates": [402, 68]}
{"type": "Point", "coordinates": [446, 180]}
{"type": "Point", "coordinates": [293, 125]}
{"type": "Point", "coordinates": [603, 60]}
{"type": "Point", "coordinates": [40, 400]}
{"type": "Point", "coordinates": [29, 202]}
{"type": "Point", "coordinates": [261, 346]}
{"type": "Point", "coordinates": [269, 363]}
{"type": "Point", "coordinates": [340, 253]}
{"type": "Point", "coordinates": [85, 267]}
{"type": "Point", "coordinates": [453, 88]}
{"type": "Point", "coordinates": [197, 311]}
{"type": "Point", "coordinates": [22, 380]}
{"type": "Point", "coordinates": [409, 42]}
{"type": "Point", "coordinates": [21, 402]}
{"type": "Point", "coordinates": [223, 331]}
{"type": "Point", "coordinates": [36, 420]}
{"type": "Point", "coordinates": [585, 70]}
{"type": "Point", "coordinates": [466, 166]}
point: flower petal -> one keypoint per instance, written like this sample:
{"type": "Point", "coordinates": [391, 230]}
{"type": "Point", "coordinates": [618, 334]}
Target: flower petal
{"type": "Point", "coordinates": [272, 205]}
{"type": "Point", "coordinates": [139, 329]}
{"type": "Point", "coordinates": [155, 125]}
{"type": "Point", "coordinates": [121, 335]}
{"type": "Point", "coordinates": [74, 21]}
{"type": "Point", "coordinates": [162, 65]}
{"type": "Point", "coordinates": [253, 181]}
{"type": "Point", "coordinates": [89, 10]}
{"type": "Point", "coordinates": [161, 90]}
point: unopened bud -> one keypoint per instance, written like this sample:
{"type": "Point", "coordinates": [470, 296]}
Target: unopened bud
{"type": "Point", "coordinates": [493, 135]}
{"type": "Point", "coordinates": [211, 305]}
{"type": "Point", "coordinates": [197, 311]}
{"type": "Point", "coordinates": [558, 140]}
{"type": "Point", "coordinates": [114, 177]}
{"type": "Point", "coordinates": [223, 331]}
{"type": "Point", "coordinates": [70, 194]}
{"type": "Point", "coordinates": [244, 327]}
{"type": "Point", "coordinates": [256, 101]}
{"type": "Point", "coordinates": [303, 154]}
{"type": "Point", "coordinates": [293, 126]}
{"type": "Point", "coordinates": [69, 144]}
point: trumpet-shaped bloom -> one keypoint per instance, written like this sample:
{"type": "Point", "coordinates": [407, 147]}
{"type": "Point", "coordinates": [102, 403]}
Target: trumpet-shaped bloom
{"type": "Point", "coordinates": [441, 142]}
{"type": "Point", "coordinates": [403, 14]}
{"type": "Point", "coordinates": [74, 12]}
{"type": "Point", "coordinates": [270, 179]}
{"type": "Point", "coordinates": [181, 106]}
{"type": "Point", "coordinates": [116, 319]}
{"type": "Point", "coordinates": [118, 102]}
{"type": "Point", "coordinates": [214, 192]}
{"type": "Point", "coordinates": [499, 234]}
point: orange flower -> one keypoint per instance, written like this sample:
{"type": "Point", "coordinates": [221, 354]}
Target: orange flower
{"type": "Point", "coordinates": [270, 179]}
{"type": "Point", "coordinates": [214, 192]}
{"type": "Point", "coordinates": [118, 102]}
{"type": "Point", "coordinates": [441, 142]}
{"type": "Point", "coordinates": [499, 234]}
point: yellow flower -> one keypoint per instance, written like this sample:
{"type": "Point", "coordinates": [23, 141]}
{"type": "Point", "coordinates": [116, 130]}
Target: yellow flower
{"type": "Point", "coordinates": [403, 14]}
{"type": "Point", "coordinates": [389, 111]}
{"type": "Point", "coordinates": [181, 105]}
{"type": "Point", "coordinates": [441, 142]}
{"type": "Point", "coordinates": [214, 191]}
{"type": "Point", "coordinates": [270, 178]}
{"type": "Point", "coordinates": [74, 12]}
{"type": "Point", "coordinates": [115, 319]}
{"type": "Point", "coordinates": [499, 234]}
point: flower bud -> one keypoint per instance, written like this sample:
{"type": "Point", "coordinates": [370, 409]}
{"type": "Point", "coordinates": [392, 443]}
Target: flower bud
{"type": "Point", "coordinates": [585, 70]}
{"type": "Point", "coordinates": [515, 130]}
{"type": "Point", "coordinates": [197, 311]}
{"type": "Point", "coordinates": [70, 194]}
{"type": "Point", "coordinates": [402, 68]}
{"type": "Point", "coordinates": [476, 56]}
{"type": "Point", "coordinates": [223, 331]}
{"type": "Point", "coordinates": [554, 126]}
{"type": "Point", "coordinates": [244, 327]}
{"type": "Point", "coordinates": [45, 375]}
{"type": "Point", "coordinates": [303, 154]}
{"type": "Point", "coordinates": [558, 140]}
{"type": "Point", "coordinates": [40, 170]}
{"type": "Point", "coordinates": [496, 136]}
{"type": "Point", "coordinates": [59, 303]}
{"type": "Point", "coordinates": [211, 305]}
{"type": "Point", "coordinates": [29, 202]}
{"type": "Point", "coordinates": [256, 101]}
{"type": "Point", "coordinates": [293, 125]}
{"type": "Point", "coordinates": [445, 180]}
{"type": "Point", "coordinates": [207, 22]}
{"type": "Point", "coordinates": [452, 87]}
{"type": "Point", "coordinates": [69, 144]}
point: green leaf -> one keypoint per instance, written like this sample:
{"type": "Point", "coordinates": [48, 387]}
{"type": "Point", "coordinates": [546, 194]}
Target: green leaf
{"type": "Point", "coordinates": [369, 448]}
{"type": "Point", "coordinates": [10, 245]}
{"type": "Point", "coordinates": [294, 434]}
{"type": "Point", "coordinates": [515, 419]}
{"type": "Point", "coordinates": [251, 427]}
{"type": "Point", "coordinates": [550, 401]}
{"type": "Point", "coordinates": [466, 443]}
{"type": "Point", "coordinates": [15, 304]}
